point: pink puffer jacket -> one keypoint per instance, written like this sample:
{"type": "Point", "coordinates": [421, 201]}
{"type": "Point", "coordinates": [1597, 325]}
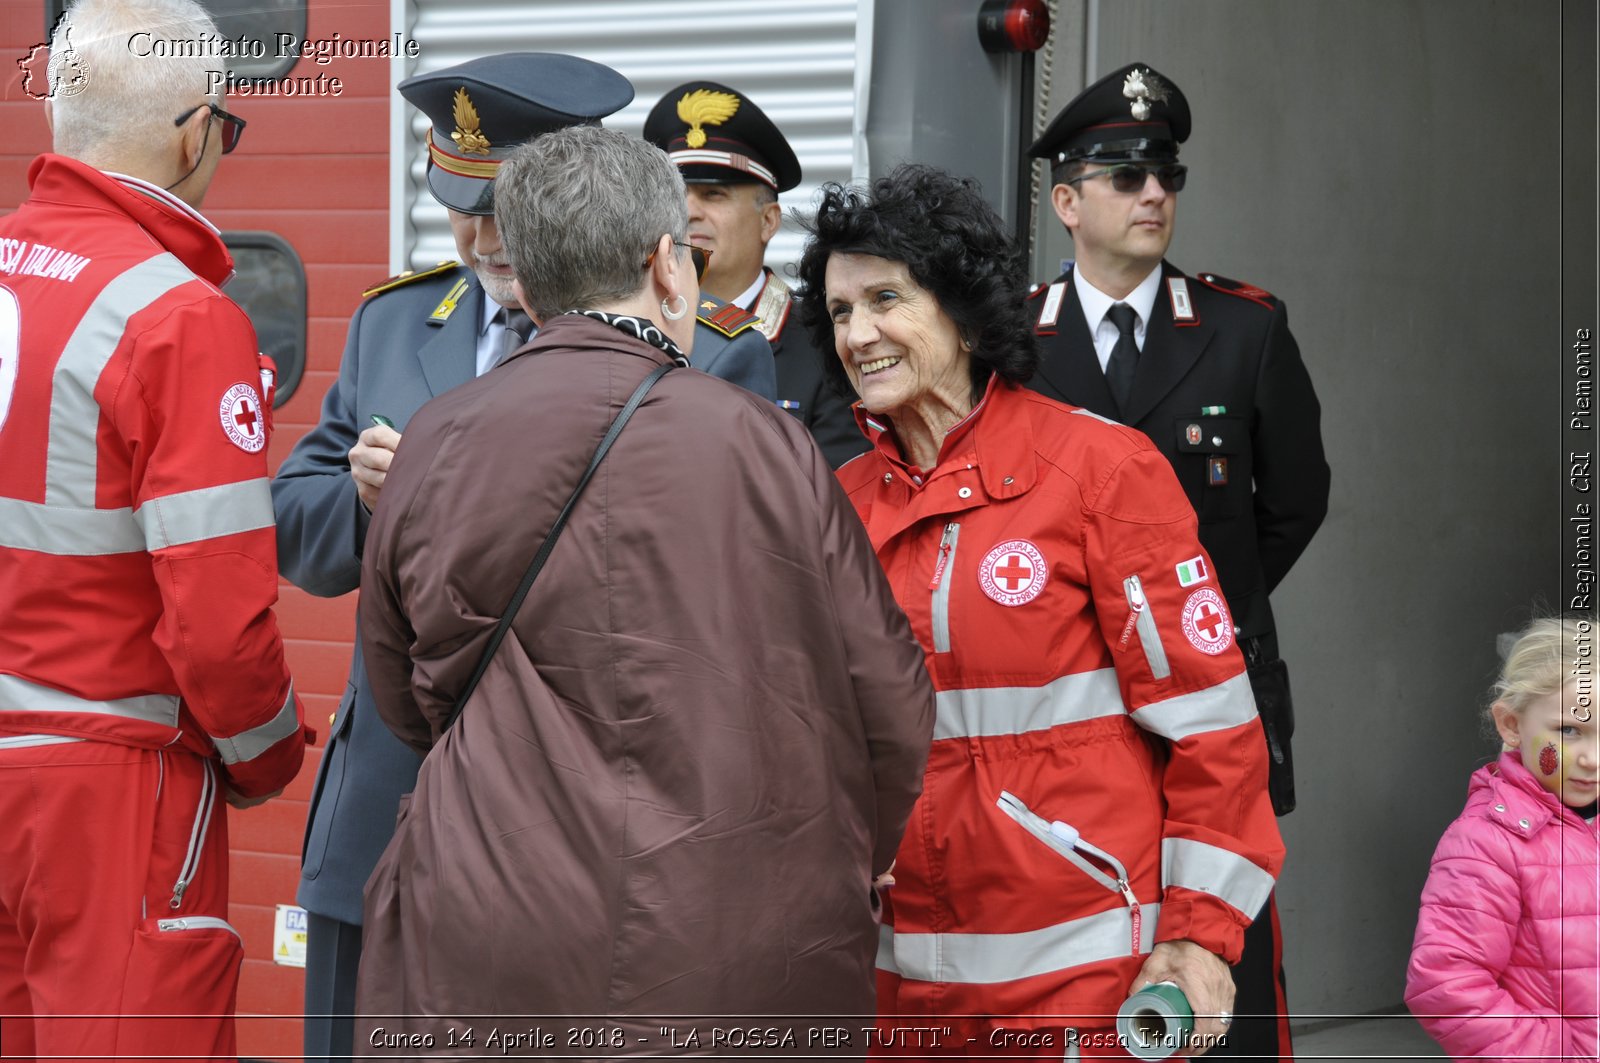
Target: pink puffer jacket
{"type": "Point", "coordinates": [1505, 960]}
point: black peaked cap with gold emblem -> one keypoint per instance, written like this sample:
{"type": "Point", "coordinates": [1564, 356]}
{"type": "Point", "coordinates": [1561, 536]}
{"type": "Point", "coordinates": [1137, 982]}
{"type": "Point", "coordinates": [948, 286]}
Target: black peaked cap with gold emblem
{"type": "Point", "coordinates": [483, 109]}
{"type": "Point", "coordinates": [1130, 115]}
{"type": "Point", "coordinates": [715, 134]}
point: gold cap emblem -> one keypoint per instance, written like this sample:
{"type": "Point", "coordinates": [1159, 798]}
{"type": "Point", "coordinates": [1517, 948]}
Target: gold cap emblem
{"type": "Point", "coordinates": [705, 107]}
{"type": "Point", "coordinates": [468, 135]}
{"type": "Point", "coordinates": [1143, 87]}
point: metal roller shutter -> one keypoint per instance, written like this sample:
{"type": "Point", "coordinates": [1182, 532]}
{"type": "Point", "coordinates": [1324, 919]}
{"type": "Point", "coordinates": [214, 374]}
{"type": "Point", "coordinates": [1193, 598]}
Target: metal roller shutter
{"type": "Point", "coordinates": [796, 61]}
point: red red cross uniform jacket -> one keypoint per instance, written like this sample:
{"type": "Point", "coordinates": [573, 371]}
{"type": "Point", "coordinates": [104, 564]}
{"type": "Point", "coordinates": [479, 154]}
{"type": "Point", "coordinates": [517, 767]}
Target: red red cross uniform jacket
{"type": "Point", "coordinates": [137, 556]}
{"type": "Point", "coordinates": [1097, 781]}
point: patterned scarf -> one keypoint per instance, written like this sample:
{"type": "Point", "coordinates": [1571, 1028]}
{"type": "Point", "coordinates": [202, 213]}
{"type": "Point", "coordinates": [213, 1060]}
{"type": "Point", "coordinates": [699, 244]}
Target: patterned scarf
{"type": "Point", "coordinates": [639, 328]}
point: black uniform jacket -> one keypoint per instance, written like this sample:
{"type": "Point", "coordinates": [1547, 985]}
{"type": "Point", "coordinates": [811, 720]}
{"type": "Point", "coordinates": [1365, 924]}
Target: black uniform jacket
{"type": "Point", "coordinates": [1222, 392]}
{"type": "Point", "coordinates": [802, 388]}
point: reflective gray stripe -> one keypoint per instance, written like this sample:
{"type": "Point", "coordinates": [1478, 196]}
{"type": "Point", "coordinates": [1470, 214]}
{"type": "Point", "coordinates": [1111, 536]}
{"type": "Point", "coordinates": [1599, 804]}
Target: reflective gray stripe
{"type": "Point", "coordinates": [985, 959]}
{"type": "Point", "coordinates": [1228, 704]}
{"type": "Point", "coordinates": [944, 565]}
{"type": "Point", "coordinates": [988, 711]}
{"type": "Point", "coordinates": [248, 745]}
{"type": "Point", "coordinates": [19, 695]}
{"type": "Point", "coordinates": [70, 463]}
{"type": "Point", "coordinates": [24, 741]}
{"type": "Point", "coordinates": [206, 513]}
{"type": "Point", "coordinates": [68, 532]}
{"type": "Point", "coordinates": [1208, 869]}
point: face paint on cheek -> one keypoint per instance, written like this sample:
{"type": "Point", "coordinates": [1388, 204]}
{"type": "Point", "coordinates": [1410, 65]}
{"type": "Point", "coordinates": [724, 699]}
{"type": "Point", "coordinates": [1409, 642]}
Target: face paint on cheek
{"type": "Point", "coordinates": [1549, 759]}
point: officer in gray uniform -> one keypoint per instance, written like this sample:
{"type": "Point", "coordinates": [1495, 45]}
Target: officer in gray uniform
{"type": "Point", "coordinates": [414, 337]}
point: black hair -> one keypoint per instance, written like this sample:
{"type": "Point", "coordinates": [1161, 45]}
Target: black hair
{"type": "Point", "coordinates": [954, 245]}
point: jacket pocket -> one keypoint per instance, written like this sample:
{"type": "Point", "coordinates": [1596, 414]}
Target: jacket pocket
{"type": "Point", "coordinates": [180, 988]}
{"type": "Point", "coordinates": [1095, 862]}
{"type": "Point", "coordinates": [197, 834]}
{"type": "Point", "coordinates": [1212, 459]}
{"type": "Point", "coordinates": [1144, 622]}
{"type": "Point", "coordinates": [943, 564]}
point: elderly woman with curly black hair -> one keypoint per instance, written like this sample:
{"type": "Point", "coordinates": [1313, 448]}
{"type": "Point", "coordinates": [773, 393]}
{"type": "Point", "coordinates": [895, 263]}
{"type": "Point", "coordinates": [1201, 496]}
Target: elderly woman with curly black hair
{"type": "Point", "coordinates": [1094, 815]}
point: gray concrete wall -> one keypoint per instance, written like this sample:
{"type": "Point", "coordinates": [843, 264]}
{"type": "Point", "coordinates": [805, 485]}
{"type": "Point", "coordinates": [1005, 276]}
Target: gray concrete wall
{"type": "Point", "coordinates": [1389, 168]}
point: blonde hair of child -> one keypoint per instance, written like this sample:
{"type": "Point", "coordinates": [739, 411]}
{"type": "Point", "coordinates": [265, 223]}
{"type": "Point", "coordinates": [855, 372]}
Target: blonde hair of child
{"type": "Point", "coordinates": [1548, 654]}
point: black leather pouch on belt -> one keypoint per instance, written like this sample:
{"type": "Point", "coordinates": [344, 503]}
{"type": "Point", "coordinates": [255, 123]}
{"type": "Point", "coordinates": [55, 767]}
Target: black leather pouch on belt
{"type": "Point", "coordinates": [1269, 681]}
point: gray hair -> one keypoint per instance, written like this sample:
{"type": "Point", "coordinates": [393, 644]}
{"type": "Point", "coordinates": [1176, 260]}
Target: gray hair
{"type": "Point", "coordinates": [579, 209]}
{"type": "Point", "coordinates": [134, 85]}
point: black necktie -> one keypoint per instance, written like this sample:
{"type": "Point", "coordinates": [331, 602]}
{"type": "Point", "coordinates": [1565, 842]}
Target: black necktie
{"type": "Point", "coordinates": [518, 326]}
{"type": "Point", "coordinates": [1124, 356]}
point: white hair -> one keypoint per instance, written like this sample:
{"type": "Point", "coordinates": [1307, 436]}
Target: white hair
{"type": "Point", "coordinates": [133, 85]}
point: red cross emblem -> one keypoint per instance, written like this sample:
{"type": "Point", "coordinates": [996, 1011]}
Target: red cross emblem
{"type": "Point", "coordinates": [1205, 622]}
{"type": "Point", "coordinates": [240, 411]}
{"type": "Point", "coordinates": [1013, 573]}
{"type": "Point", "coordinates": [245, 417]}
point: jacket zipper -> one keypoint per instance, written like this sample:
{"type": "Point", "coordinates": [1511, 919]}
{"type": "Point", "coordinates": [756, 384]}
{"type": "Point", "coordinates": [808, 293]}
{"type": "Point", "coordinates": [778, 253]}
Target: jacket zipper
{"type": "Point", "coordinates": [196, 922]}
{"type": "Point", "coordinates": [940, 586]}
{"type": "Point", "coordinates": [197, 836]}
{"type": "Point", "coordinates": [1068, 842]}
{"type": "Point", "coordinates": [1145, 622]}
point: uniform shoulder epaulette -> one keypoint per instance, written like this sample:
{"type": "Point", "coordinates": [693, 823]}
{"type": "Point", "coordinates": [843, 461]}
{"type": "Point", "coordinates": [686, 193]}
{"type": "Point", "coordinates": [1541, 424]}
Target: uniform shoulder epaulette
{"type": "Point", "coordinates": [1232, 287]}
{"type": "Point", "coordinates": [726, 318]}
{"type": "Point", "coordinates": [404, 277]}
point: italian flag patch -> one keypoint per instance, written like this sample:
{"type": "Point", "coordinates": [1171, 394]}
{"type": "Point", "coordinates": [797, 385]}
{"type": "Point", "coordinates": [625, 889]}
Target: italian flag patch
{"type": "Point", "coordinates": [1193, 571]}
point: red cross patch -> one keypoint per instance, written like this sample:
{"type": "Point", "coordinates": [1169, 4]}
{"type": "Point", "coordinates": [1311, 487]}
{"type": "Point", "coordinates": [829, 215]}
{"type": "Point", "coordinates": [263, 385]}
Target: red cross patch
{"type": "Point", "coordinates": [240, 410]}
{"type": "Point", "coordinates": [1206, 623]}
{"type": "Point", "coordinates": [1013, 573]}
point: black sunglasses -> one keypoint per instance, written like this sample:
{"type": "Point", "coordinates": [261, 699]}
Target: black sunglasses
{"type": "Point", "coordinates": [700, 256]}
{"type": "Point", "coordinates": [1128, 179]}
{"type": "Point", "coordinates": [232, 128]}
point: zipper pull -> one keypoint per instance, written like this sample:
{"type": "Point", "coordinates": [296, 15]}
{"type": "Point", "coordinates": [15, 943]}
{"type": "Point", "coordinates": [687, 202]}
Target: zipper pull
{"type": "Point", "coordinates": [1133, 910]}
{"type": "Point", "coordinates": [944, 557]}
{"type": "Point", "coordinates": [1135, 592]}
{"type": "Point", "coordinates": [177, 894]}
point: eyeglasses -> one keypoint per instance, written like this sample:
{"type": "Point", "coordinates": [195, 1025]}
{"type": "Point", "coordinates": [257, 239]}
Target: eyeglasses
{"type": "Point", "coordinates": [232, 128]}
{"type": "Point", "coordinates": [1128, 179]}
{"type": "Point", "coordinates": [700, 256]}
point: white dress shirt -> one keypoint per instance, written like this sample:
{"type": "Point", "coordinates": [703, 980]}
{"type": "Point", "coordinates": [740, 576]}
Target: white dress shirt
{"type": "Point", "coordinates": [1097, 305]}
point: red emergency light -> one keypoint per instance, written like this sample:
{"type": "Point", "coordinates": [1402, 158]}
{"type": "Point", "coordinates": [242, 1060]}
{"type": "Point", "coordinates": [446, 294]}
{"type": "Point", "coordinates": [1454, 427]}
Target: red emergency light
{"type": "Point", "coordinates": [1013, 25]}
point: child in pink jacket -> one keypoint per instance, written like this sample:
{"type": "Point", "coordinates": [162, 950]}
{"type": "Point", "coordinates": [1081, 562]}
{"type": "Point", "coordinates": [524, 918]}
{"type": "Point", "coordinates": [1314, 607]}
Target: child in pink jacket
{"type": "Point", "coordinates": [1505, 964]}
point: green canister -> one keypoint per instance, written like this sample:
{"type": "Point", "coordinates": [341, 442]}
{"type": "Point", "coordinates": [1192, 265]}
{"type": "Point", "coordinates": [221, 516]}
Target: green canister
{"type": "Point", "coordinates": [1155, 1022]}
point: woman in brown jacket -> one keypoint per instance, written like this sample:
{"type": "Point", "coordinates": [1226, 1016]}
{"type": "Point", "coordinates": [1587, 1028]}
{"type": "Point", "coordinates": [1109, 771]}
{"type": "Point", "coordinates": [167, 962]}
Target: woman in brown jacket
{"type": "Point", "coordinates": [703, 735]}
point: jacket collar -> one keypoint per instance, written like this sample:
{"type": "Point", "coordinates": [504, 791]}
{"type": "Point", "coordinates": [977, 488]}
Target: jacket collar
{"type": "Point", "coordinates": [1073, 368]}
{"type": "Point", "coordinates": [1514, 798]}
{"type": "Point", "coordinates": [989, 454]}
{"type": "Point", "coordinates": [576, 331]}
{"type": "Point", "coordinates": [173, 224]}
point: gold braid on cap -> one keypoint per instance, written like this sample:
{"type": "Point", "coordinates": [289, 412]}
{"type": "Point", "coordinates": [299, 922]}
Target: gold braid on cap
{"type": "Point", "coordinates": [469, 134]}
{"type": "Point", "coordinates": [705, 107]}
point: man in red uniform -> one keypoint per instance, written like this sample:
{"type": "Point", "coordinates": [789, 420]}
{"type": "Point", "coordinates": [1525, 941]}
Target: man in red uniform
{"type": "Point", "coordinates": [142, 678]}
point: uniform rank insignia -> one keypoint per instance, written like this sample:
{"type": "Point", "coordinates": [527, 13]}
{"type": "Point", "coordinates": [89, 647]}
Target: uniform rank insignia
{"type": "Point", "coordinates": [447, 305]}
{"type": "Point", "coordinates": [726, 318]}
{"type": "Point", "coordinates": [469, 131]}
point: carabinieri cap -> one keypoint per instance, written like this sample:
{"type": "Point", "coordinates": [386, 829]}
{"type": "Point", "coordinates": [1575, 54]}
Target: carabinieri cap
{"type": "Point", "coordinates": [483, 109]}
{"type": "Point", "coordinates": [1131, 115]}
{"type": "Point", "coordinates": [714, 134]}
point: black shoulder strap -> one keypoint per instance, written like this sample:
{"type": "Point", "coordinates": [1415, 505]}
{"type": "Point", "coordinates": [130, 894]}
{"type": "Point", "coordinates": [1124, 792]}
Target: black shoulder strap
{"type": "Point", "coordinates": [549, 543]}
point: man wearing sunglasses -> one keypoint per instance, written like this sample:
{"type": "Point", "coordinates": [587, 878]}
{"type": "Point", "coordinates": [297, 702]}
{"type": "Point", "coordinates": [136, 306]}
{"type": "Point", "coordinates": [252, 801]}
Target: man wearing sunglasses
{"type": "Point", "coordinates": [1207, 369]}
{"type": "Point", "coordinates": [735, 162]}
{"type": "Point", "coordinates": [142, 676]}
